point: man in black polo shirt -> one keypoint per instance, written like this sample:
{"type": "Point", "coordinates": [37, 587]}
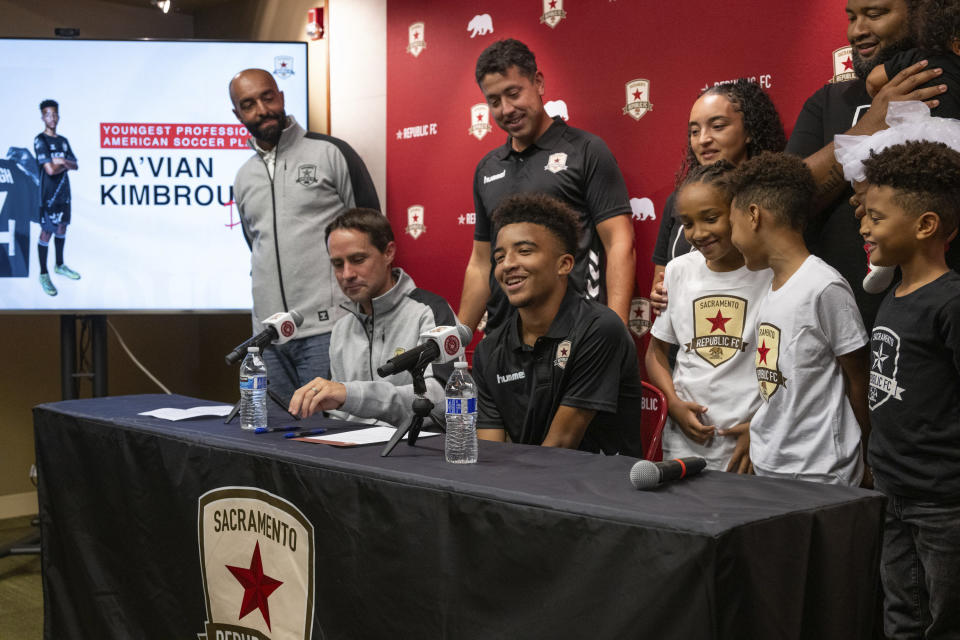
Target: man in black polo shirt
{"type": "Point", "coordinates": [877, 30]}
{"type": "Point", "coordinates": [561, 370]}
{"type": "Point", "coordinates": [544, 155]}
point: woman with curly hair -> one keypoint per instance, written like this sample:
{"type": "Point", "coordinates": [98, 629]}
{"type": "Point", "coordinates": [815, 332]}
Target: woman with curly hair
{"type": "Point", "coordinates": [937, 27]}
{"type": "Point", "coordinates": [731, 122]}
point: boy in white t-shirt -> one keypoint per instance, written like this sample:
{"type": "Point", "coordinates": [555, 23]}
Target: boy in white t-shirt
{"type": "Point", "coordinates": [811, 347]}
{"type": "Point", "coordinates": [711, 394]}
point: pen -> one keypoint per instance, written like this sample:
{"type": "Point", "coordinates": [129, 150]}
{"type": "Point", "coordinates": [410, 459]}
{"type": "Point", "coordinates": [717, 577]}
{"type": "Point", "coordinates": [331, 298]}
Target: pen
{"type": "Point", "coordinates": [289, 427]}
{"type": "Point", "coordinates": [304, 434]}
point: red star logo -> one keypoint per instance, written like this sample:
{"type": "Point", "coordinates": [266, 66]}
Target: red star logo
{"type": "Point", "coordinates": [415, 217]}
{"type": "Point", "coordinates": [637, 94]}
{"type": "Point", "coordinates": [638, 312]}
{"type": "Point", "coordinates": [257, 586]}
{"type": "Point", "coordinates": [553, 4]}
{"type": "Point", "coordinates": [283, 64]}
{"type": "Point", "coordinates": [718, 323]}
{"type": "Point", "coordinates": [479, 117]}
{"type": "Point", "coordinates": [763, 350]}
{"type": "Point", "coordinates": [848, 64]}
{"type": "Point", "coordinates": [416, 35]}
{"type": "Point", "coordinates": [563, 352]}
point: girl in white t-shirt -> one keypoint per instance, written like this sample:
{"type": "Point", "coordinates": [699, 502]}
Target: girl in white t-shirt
{"type": "Point", "coordinates": [712, 392]}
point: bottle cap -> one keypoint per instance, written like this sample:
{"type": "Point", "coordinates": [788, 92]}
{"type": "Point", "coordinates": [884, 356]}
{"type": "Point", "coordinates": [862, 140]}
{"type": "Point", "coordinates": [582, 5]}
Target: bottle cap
{"type": "Point", "coordinates": [460, 364]}
{"type": "Point", "coordinates": [253, 349]}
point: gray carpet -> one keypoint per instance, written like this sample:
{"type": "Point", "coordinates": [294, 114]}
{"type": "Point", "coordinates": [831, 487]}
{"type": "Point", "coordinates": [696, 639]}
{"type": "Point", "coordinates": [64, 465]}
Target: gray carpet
{"type": "Point", "coordinates": [21, 595]}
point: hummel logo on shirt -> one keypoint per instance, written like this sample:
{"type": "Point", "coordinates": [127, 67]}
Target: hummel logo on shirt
{"type": "Point", "coordinates": [496, 176]}
{"type": "Point", "coordinates": [511, 377]}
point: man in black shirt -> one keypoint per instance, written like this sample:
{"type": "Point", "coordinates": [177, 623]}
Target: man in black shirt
{"type": "Point", "coordinates": [55, 158]}
{"type": "Point", "coordinates": [544, 155]}
{"type": "Point", "coordinates": [561, 370]}
{"type": "Point", "coordinates": [877, 30]}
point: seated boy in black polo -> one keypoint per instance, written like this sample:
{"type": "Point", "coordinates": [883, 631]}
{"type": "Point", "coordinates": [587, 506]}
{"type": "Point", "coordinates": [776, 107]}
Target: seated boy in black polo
{"type": "Point", "coordinates": [562, 370]}
{"type": "Point", "coordinates": [912, 208]}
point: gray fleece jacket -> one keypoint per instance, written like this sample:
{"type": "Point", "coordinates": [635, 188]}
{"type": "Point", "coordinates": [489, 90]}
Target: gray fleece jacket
{"type": "Point", "coordinates": [316, 178]}
{"type": "Point", "coordinates": [360, 343]}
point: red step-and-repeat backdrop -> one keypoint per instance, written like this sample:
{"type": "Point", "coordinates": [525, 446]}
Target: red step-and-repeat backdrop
{"type": "Point", "coordinates": [589, 52]}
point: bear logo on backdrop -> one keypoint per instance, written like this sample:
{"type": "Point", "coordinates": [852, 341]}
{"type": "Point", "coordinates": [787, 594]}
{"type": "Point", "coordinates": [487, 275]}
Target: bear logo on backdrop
{"type": "Point", "coordinates": [642, 209]}
{"type": "Point", "coordinates": [480, 25]}
{"type": "Point", "coordinates": [556, 108]}
{"type": "Point", "coordinates": [257, 564]}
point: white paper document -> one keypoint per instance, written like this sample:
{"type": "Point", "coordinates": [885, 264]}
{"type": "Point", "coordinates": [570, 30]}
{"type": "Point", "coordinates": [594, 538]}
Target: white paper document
{"type": "Point", "coordinates": [195, 412]}
{"type": "Point", "coordinates": [373, 435]}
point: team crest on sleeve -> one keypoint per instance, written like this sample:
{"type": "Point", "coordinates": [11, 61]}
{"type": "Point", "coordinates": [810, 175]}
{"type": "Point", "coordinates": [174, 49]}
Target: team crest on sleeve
{"type": "Point", "coordinates": [640, 317]}
{"type": "Point", "coordinates": [556, 163]}
{"type": "Point", "coordinates": [479, 120]}
{"type": "Point", "coordinates": [307, 174]}
{"type": "Point", "coordinates": [415, 225]}
{"type": "Point", "coordinates": [257, 564]}
{"type": "Point", "coordinates": [843, 65]}
{"type": "Point", "coordinates": [553, 13]}
{"type": "Point", "coordinates": [768, 358]}
{"type": "Point", "coordinates": [563, 354]}
{"type": "Point", "coordinates": [884, 357]}
{"type": "Point", "coordinates": [718, 328]}
{"type": "Point", "coordinates": [417, 41]}
{"type": "Point", "coordinates": [283, 66]}
{"type": "Point", "coordinates": [638, 98]}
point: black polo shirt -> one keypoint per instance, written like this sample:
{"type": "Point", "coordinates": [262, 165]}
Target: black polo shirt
{"type": "Point", "coordinates": [571, 165]}
{"type": "Point", "coordinates": [587, 360]}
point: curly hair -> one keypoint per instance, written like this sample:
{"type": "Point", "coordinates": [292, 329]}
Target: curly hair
{"type": "Point", "coordinates": [537, 208]}
{"type": "Point", "coordinates": [761, 122]}
{"type": "Point", "coordinates": [502, 55]}
{"type": "Point", "coordinates": [49, 103]}
{"type": "Point", "coordinates": [715, 174]}
{"type": "Point", "coordinates": [937, 24]}
{"type": "Point", "coordinates": [925, 176]}
{"type": "Point", "coordinates": [779, 182]}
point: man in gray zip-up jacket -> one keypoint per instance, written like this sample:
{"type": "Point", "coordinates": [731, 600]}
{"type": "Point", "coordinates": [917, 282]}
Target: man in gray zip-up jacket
{"type": "Point", "coordinates": [286, 195]}
{"type": "Point", "coordinates": [386, 315]}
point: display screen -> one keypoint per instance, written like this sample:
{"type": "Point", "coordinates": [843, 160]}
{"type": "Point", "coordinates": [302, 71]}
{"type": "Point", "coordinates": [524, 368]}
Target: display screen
{"type": "Point", "coordinates": [151, 147]}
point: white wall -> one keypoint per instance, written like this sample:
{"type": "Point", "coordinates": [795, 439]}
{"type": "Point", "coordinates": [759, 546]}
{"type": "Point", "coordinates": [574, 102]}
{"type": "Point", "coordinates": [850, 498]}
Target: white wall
{"type": "Point", "coordinates": [358, 82]}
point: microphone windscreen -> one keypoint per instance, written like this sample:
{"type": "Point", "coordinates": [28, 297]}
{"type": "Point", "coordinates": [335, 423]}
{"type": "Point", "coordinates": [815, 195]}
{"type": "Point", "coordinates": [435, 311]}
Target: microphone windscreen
{"type": "Point", "coordinates": [465, 333]}
{"type": "Point", "coordinates": [644, 475]}
{"type": "Point", "coordinates": [297, 317]}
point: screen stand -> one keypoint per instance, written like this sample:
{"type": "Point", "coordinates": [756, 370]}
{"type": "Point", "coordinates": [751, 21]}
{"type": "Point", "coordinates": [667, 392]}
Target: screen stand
{"type": "Point", "coordinates": [97, 326]}
{"type": "Point", "coordinates": [422, 408]}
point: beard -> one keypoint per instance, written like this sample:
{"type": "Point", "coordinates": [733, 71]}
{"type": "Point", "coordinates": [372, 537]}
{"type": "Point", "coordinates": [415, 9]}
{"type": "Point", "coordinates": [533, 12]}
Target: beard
{"type": "Point", "coordinates": [862, 68]}
{"type": "Point", "coordinates": [269, 133]}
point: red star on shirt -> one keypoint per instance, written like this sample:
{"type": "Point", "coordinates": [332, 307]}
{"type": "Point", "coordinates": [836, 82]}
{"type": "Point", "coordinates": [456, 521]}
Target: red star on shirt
{"type": "Point", "coordinates": [848, 64]}
{"type": "Point", "coordinates": [637, 94]}
{"type": "Point", "coordinates": [563, 352]}
{"type": "Point", "coordinates": [257, 586]}
{"type": "Point", "coordinates": [763, 350]}
{"type": "Point", "coordinates": [718, 323]}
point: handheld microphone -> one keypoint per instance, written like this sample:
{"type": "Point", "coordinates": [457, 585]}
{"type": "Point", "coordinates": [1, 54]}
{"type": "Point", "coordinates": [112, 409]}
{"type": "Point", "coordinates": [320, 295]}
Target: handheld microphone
{"type": "Point", "coordinates": [278, 328]}
{"type": "Point", "coordinates": [440, 344]}
{"type": "Point", "coordinates": [647, 475]}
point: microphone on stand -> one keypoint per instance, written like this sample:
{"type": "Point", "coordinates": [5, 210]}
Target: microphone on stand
{"type": "Point", "coordinates": [278, 328]}
{"type": "Point", "coordinates": [440, 344]}
{"type": "Point", "coordinates": [647, 475]}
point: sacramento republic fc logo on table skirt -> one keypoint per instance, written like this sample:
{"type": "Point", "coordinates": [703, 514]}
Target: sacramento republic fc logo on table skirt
{"type": "Point", "coordinates": [257, 559]}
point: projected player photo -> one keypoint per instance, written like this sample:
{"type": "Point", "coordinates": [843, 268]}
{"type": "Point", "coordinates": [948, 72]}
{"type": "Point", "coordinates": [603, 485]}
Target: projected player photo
{"type": "Point", "coordinates": [55, 158]}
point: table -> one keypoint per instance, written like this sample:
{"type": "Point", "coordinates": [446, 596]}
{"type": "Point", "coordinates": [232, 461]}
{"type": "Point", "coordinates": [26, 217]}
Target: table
{"type": "Point", "coordinates": [141, 524]}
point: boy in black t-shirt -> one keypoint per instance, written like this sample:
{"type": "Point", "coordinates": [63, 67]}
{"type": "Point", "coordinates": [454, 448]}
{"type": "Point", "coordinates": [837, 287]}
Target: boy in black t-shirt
{"type": "Point", "coordinates": [912, 208]}
{"type": "Point", "coordinates": [55, 158]}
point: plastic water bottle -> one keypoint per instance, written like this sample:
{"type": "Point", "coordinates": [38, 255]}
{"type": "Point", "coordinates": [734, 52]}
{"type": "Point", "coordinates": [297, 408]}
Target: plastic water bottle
{"type": "Point", "coordinates": [461, 394]}
{"type": "Point", "coordinates": [253, 391]}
